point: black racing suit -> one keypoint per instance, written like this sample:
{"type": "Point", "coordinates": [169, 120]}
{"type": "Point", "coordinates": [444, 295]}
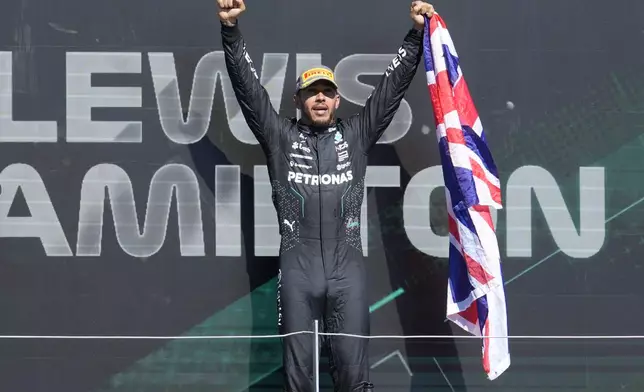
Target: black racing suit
{"type": "Point", "coordinates": [317, 177]}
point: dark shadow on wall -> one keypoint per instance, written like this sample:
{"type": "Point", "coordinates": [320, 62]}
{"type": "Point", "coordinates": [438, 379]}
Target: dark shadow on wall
{"type": "Point", "coordinates": [421, 309]}
{"type": "Point", "coordinates": [424, 278]}
{"type": "Point", "coordinates": [206, 156]}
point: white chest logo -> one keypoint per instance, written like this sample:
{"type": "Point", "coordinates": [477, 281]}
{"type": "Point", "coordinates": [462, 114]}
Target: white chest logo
{"type": "Point", "coordinates": [289, 224]}
{"type": "Point", "coordinates": [342, 148]}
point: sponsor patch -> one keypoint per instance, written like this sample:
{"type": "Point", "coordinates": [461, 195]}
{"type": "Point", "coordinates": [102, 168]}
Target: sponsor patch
{"type": "Point", "coordinates": [343, 165]}
{"type": "Point", "coordinates": [324, 179]}
{"type": "Point", "coordinates": [301, 146]}
{"type": "Point", "coordinates": [301, 165]}
{"type": "Point", "coordinates": [302, 156]}
{"type": "Point", "coordinates": [315, 72]}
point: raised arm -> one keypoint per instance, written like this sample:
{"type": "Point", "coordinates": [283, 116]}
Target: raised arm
{"type": "Point", "coordinates": [254, 101]}
{"type": "Point", "coordinates": [381, 106]}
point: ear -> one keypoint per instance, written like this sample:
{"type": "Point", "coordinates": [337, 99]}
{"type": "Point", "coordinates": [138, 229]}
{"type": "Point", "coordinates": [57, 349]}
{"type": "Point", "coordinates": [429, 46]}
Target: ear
{"type": "Point", "coordinates": [337, 101]}
{"type": "Point", "coordinates": [297, 101]}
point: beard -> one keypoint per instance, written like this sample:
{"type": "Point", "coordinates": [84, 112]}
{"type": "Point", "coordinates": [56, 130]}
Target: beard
{"type": "Point", "coordinates": [321, 119]}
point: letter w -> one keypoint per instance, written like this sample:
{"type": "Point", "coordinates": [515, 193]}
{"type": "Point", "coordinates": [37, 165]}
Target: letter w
{"type": "Point", "coordinates": [210, 67]}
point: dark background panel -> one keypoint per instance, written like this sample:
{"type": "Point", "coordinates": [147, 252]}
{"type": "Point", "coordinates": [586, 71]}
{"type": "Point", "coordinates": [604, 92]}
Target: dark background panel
{"type": "Point", "coordinates": [573, 73]}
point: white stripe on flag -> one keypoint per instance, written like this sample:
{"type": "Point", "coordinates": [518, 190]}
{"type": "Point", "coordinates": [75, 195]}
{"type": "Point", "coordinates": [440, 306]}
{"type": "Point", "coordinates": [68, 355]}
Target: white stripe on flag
{"type": "Point", "coordinates": [499, 351]}
{"type": "Point", "coordinates": [446, 39]}
{"type": "Point", "coordinates": [464, 324]}
{"type": "Point", "coordinates": [472, 248]}
{"type": "Point", "coordinates": [452, 120]}
{"type": "Point", "coordinates": [484, 194]}
{"type": "Point", "coordinates": [437, 53]}
{"type": "Point", "coordinates": [487, 236]}
{"type": "Point", "coordinates": [478, 127]}
{"type": "Point", "coordinates": [431, 77]}
{"type": "Point", "coordinates": [441, 131]}
{"type": "Point", "coordinates": [461, 151]}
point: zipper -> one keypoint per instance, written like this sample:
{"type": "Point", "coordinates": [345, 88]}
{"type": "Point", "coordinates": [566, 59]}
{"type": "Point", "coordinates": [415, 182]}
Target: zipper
{"type": "Point", "coordinates": [317, 157]}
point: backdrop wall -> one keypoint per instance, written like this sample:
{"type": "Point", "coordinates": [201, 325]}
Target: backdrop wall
{"type": "Point", "coordinates": [133, 97]}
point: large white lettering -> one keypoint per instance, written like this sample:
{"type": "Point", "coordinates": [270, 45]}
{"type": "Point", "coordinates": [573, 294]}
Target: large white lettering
{"type": "Point", "coordinates": [350, 69]}
{"type": "Point", "coordinates": [211, 67]}
{"type": "Point", "coordinates": [592, 211]}
{"type": "Point", "coordinates": [182, 128]}
{"type": "Point", "coordinates": [19, 131]}
{"type": "Point", "coordinates": [43, 222]}
{"type": "Point", "coordinates": [228, 211]}
{"type": "Point", "coordinates": [176, 179]}
{"type": "Point", "coordinates": [267, 237]}
{"type": "Point", "coordinates": [416, 210]}
{"type": "Point", "coordinates": [166, 181]}
{"type": "Point", "coordinates": [416, 213]}
{"type": "Point", "coordinates": [82, 97]}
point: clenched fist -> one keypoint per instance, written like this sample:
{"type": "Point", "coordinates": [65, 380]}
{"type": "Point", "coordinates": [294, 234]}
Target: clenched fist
{"type": "Point", "coordinates": [229, 10]}
{"type": "Point", "coordinates": [418, 11]}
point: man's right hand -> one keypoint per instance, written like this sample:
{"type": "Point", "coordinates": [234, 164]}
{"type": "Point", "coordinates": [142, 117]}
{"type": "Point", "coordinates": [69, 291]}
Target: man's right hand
{"type": "Point", "coordinates": [229, 10]}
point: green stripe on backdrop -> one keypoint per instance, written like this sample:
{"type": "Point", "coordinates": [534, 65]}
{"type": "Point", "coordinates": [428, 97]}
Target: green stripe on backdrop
{"type": "Point", "coordinates": [223, 365]}
{"type": "Point", "coordinates": [214, 364]}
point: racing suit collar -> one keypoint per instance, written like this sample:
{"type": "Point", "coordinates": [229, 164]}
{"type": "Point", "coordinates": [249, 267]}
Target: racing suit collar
{"type": "Point", "coordinates": [312, 129]}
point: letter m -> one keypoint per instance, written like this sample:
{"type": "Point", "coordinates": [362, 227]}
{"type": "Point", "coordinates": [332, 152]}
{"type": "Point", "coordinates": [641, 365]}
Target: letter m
{"type": "Point", "coordinates": [166, 181]}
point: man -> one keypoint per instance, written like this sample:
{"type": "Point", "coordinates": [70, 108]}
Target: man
{"type": "Point", "coordinates": [317, 167]}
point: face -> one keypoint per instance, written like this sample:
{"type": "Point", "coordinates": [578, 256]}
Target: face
{"type": "Point", "coordinates": [318, 103]}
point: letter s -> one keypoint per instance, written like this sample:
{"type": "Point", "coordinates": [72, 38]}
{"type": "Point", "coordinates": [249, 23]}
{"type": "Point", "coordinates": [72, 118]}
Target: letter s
{"type": "Point", "coordinates": [347, 72]}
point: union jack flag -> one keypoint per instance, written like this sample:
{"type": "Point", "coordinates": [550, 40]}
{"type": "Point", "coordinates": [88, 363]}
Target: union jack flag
{"type": "Point", "coordinates": [475, 293]}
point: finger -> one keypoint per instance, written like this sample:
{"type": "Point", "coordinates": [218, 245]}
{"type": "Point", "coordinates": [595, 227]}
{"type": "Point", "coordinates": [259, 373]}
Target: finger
{"type": "Point", "coordinates": [220, 3]}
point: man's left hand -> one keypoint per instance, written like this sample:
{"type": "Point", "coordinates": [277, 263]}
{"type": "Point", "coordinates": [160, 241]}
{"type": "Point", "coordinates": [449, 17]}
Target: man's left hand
{"type": "Point", "coordinates": [418, 11]}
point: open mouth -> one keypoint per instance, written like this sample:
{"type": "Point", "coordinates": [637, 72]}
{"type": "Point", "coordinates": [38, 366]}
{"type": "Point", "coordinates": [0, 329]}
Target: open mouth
{"type": "Point", "coordinates": [320, 110]}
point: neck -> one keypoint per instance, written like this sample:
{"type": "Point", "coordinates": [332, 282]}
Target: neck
{"type": "Point", "coordinates": [304, 120]}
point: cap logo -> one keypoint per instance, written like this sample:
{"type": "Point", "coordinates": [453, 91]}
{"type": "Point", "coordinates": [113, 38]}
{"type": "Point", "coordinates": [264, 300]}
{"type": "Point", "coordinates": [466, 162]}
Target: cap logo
{"type": "Point", "coordinates": [316, 72]}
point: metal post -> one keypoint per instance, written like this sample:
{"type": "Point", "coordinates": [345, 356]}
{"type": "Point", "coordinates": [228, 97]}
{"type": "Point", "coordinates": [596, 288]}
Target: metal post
{"type": "Point", "coordinates": [316, 356]}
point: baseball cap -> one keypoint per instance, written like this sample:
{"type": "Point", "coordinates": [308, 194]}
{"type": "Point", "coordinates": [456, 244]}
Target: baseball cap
{"type": "Point", "coordinates": [312, 75]}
